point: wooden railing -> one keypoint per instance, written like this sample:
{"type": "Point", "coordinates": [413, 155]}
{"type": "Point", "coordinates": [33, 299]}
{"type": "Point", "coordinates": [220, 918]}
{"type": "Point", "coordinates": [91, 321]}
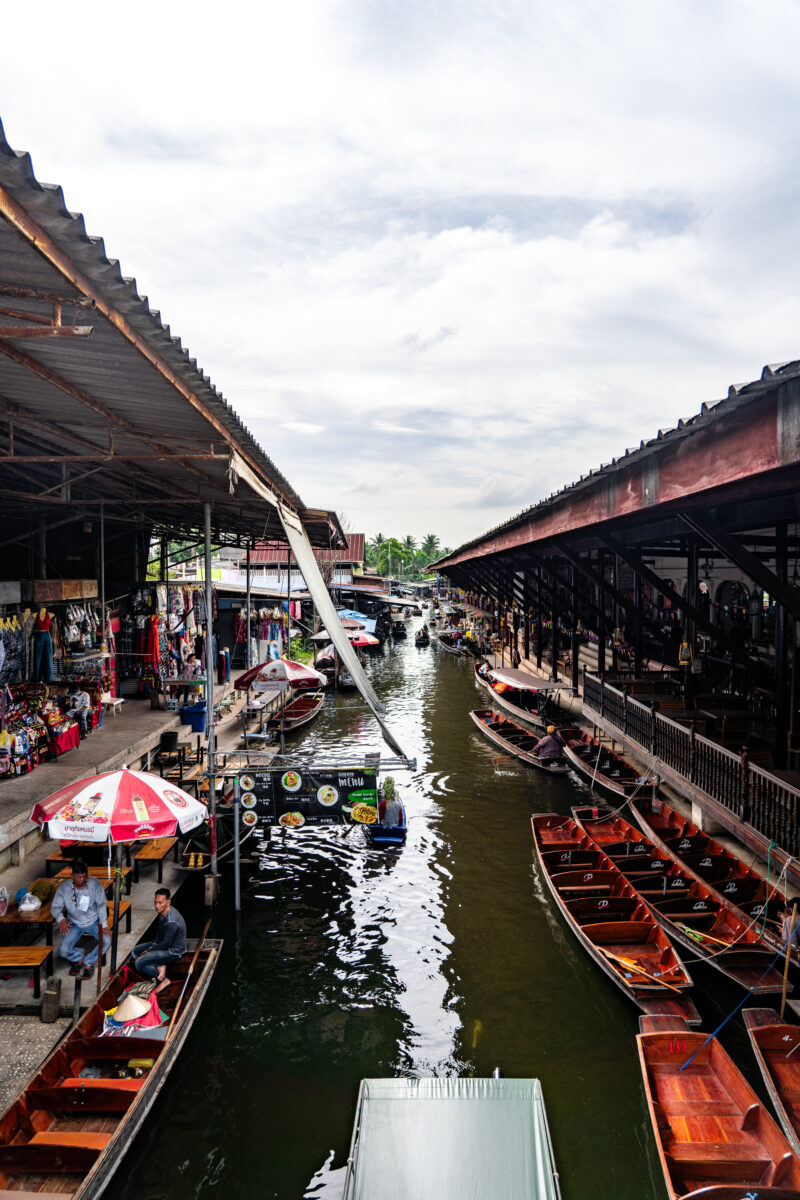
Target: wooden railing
{"type": "Point", "coordinates": [762, 800]}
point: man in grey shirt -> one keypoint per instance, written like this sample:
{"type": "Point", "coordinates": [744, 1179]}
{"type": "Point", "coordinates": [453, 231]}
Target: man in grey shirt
{"type": "Point", "coordinates": [79, 905]}
{"type": "Point", "coordinates": [152, 958]}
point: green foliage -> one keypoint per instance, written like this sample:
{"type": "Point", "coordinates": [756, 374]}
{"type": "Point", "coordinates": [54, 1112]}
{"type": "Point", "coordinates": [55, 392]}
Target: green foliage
{"type": "Point", "coordinates": [300, 653]}
{"type": "Point", "coordinates": [388, 789]}
{"type": "Point", "coordinates": [407, 559]}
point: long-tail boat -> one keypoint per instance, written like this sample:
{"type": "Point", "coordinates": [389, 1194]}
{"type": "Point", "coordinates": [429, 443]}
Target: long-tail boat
{"type": "Point", "coordinates": [686, 907]}
{"type": "Point", "coordinates": [738, 885]}
{"type": "Point", "coordinates": [298, 712]}
{"type": "Point", "coordinates": [515, 740]}
{"type": "Point", "coordinates": [67, 1132]}
{"type": "Point", "coordinates": [600, 766]}
{"type": "Point", "coordinates": [450, 643]}
{"type": "Point", "coordinates": [775, 1045]}
{"type": "Point", "coordinates": [715, 1139]}
{"type": "Point", "coordinates": [611, 922]}
{"type": "Point", "coordinates": [523, 696]}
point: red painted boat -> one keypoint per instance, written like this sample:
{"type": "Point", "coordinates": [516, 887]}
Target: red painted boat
{"type": "Point", "coordinates": [298, 712]}
{"type": "Point", "coordinates": [610, 921]}
{"type": "Point", "coordinates": [601, 767]}
{"type": "Point", "coordinates": [716, 1141]}
{"type": "Point", "coordinates": [775, 1045]}
{"type": "Point", "coordinates": [740, 887]}
{"type": "Point", "coordinates": [515, 740]}
{"type": "Point", "coordinates": [685, 907]}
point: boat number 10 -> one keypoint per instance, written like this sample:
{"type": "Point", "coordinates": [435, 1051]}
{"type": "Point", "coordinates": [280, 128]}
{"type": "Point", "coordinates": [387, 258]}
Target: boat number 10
{"type": "Point", "coordinates": [678, 1047]}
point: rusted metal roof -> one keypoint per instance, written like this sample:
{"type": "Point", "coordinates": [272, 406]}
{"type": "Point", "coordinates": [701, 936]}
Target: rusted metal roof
{"type": "Point", "coordinates": [99, 400]}
{"type": "Point", "coordinates": [747, 440]}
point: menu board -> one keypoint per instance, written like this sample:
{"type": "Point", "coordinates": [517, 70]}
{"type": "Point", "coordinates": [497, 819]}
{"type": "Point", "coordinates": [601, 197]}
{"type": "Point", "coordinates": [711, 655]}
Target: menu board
{"type": "Point", "coordinates": [295, 797]}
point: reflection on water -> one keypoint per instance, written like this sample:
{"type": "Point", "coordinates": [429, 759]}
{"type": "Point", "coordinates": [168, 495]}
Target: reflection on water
{"type": "Point", "coordinates": [446, 957]}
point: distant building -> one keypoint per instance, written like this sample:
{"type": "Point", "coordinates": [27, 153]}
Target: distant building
{"type": "Point", "coordinates": [269, 562]}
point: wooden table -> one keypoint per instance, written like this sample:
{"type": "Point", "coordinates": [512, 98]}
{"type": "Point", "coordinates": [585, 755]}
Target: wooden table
{"type": "Point", "coordinates": [27, 958]}
{"type": "Point", "coordinates": [42, 917]}
{"type": "Point", "coordinates": [156, 850]}
{"type": "Point", "coordinates": [101, 874]}
{"type": "Point", "coordinates": [58, 856]}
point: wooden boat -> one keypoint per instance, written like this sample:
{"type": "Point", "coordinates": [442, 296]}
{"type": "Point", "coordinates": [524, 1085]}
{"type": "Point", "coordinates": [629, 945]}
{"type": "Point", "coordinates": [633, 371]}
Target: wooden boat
{"type": "Point", "coordinates": [386, 836]}
{"type": "Point", "coordinates": [715, 1139]}
{"type": "Point", "coordinates": [422, 638]}
{"type": "Point", "coordinates": [399, 629]}
{"type": "Point", "coordinates": [298, 712]}
{"type": "Point", "coordinates": [533, 702]}
{"type": "Point", "coordinates": [515, 740]}
{"type": "Point", "coordinates": [736, 884]}
{"type": "Point", "coordinates": [66, 1133]}
{"type": "Point", "coordinates": [775, 1045]}
{"type": "Point", "coordinates": [600, 766]}
{"type": "Point", "coordinates": [611, 922]}
{"type": "Point", "coordinates": [450, 644]}
{"type": "Point", "coordinates": [684, 906]}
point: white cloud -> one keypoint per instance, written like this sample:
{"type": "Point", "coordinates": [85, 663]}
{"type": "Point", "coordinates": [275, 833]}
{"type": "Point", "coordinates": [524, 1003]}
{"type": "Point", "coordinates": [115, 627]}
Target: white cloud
{"type": "Point", "coordinates": [483, 248]}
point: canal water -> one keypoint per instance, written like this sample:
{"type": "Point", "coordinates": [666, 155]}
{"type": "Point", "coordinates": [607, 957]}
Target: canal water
{"type": "Point", "coordinates": [445, 958]}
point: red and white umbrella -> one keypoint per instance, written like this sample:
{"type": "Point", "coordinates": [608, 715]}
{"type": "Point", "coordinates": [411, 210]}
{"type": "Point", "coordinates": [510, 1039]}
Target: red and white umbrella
{"type": "Point", "coordinates": [119, 806]}
{"type": "Point", "coordinates": [282, 670]}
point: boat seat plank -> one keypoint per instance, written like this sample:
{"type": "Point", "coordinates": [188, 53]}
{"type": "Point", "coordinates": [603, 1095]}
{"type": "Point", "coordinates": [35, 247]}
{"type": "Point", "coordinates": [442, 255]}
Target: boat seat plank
{"type": "Point", "coordinates": [730, 1154]}
{"type": "Point", "coordinates": [85, 1141]}
{"type": "Point", "coordinates": [622, 932]}
{"type": "Point", "coordinates": [73, 1097]}
{"type": "Point", "coordinates": [95, 1049]}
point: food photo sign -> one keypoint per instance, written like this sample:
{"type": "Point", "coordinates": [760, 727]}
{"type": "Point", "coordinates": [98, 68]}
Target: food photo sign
{"type": "Point", "coordinates": [293, 798]}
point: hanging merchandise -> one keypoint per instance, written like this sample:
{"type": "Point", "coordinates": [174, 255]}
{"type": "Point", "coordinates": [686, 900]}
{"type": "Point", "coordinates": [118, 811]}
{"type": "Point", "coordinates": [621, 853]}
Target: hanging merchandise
{"type": "Point", "coordinates": [685, 653]}
{"type": "Point", "coordinates": [42, 647]}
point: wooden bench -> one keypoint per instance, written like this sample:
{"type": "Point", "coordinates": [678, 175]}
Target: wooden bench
{"type": "Point", "coordinates": [156, 850]}
{"type": "Point", "coordinates": [27, 958]}
{"type": "Point", "coordinates": [59, 858]}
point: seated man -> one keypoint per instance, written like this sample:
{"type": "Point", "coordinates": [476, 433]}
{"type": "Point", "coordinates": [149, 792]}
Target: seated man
{"type": "Point", "coordinates": [79, 708]}
{"type": "Point", "coordinates": [151, 958]}
{"type": "Point", "coordinates": [549, 748]}
{"type": "Point", "coordinates": [79, 905]}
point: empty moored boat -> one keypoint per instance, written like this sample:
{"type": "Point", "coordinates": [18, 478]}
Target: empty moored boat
{"type": "Point", "coordinates": [775, 1044]}
{"type": "Point", "coordinates": [715, 1139]}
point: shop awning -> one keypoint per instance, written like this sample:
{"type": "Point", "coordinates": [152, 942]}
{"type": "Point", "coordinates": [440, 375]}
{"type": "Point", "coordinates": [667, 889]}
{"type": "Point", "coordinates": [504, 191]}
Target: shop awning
{"type": "Point", "coordinates": [452, 1139]}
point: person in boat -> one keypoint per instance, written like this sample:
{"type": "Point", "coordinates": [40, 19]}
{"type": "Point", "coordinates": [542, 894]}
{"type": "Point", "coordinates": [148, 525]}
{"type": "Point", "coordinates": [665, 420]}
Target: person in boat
{"type": "Point", "coordinates": [151, 959]}
{"type": "Point", "coordinates": [484, 669]}
{"type": "Point", "coordinates": [390, 812]}
{"type": "Point", "coordinates": [549, 748]}
{"type": "Point", "coordinates": [788, 930]}
{"type": "Point", "coordinates": [78, 907]}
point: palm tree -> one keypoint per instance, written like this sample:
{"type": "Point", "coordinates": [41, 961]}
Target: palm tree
{"type": "Point", "coordinates": [409, 543]}
{"type": "Point", "coordinates": [430, 546]}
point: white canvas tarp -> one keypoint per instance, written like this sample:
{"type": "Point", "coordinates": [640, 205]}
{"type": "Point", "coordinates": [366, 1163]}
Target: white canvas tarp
{"type": "Point", "coordinates": [304, 555]}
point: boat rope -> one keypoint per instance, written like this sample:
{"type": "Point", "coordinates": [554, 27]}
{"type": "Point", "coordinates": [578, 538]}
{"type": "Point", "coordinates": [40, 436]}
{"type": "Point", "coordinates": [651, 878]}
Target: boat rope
{"type": "Point", "coordinates": [742, 1002]}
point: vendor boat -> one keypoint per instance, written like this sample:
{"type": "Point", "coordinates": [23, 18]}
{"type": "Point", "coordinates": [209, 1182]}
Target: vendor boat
{"type": "Point", "coordinates": [716, 1140]}
{"type": "Point", "coordinates": [298, 712]}
{"type": "Point", "coordinates": [684, 906]}
{"type": "Point", "coordinates": [387, 836]}
{"type": "Point", "coordinates": [523, 696]}
{"type": "Point", "coordinates": [451, 643]}
{"type": "Point", "coordinates": [515, 740]}
{"type": "Point", "coordinates": [610, 921]}
{"type": "Point", "coordinates": [600, 766]}
{"type": "Point", "coordinates": [70, 1128]}
{"type": "Point", "coordinates": [422, 638]}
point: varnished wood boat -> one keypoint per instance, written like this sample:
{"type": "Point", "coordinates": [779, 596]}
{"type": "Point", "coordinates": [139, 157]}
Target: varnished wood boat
{"type": "Point", "coordinates": [684, 906]}
{"type": "Point", "coordinates": [515, 740]}
{"type": "Point", "coordinates": [715, 1139]}
{"type": "Point", "coordinates": [543, 708]}
{"type": "Point", "coordinates": [737, 885]}
{"type": "Point", "coordinates": [775, 1045]}
{"type": "Point", "coordinates": [611, 922]}
{"type": "Point", "coordinates": [67, 1134]}
{"type": "Point", "coordinates": [600, 766]}
{"type": "Point", "coordinates": [298, 712]}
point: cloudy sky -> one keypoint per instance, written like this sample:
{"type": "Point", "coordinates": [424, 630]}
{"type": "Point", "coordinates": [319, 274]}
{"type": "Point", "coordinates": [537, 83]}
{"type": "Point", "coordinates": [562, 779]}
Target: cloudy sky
{"type": "Point", "coordinates": [441, 257]}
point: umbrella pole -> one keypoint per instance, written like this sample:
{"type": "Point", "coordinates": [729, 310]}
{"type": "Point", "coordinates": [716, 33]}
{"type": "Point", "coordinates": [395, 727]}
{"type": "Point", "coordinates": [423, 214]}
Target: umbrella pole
{"type": "Point", "coordinates": [115, 926]}
{"type": "Point", "coordinates": [212, 764]}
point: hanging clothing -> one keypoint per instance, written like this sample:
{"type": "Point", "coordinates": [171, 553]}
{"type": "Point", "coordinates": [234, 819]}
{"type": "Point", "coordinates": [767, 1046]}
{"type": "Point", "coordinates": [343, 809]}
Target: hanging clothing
{"type": "Point", "coordinates": [42, 656]}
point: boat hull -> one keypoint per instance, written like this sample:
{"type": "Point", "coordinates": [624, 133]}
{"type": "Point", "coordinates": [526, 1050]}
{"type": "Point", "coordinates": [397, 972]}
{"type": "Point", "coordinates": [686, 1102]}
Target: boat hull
{"type": "Point", "coordinates": [491, 724]}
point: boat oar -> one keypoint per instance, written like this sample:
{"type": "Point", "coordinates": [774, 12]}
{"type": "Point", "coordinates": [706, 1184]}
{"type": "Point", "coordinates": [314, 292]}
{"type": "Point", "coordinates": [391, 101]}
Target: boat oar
{"type": "Point", "coordinates": [502, 757]}
{"type": "Point", "coordinates": [175, 1011]}
{"type": "Point", "coordinates": [699, 937]}
{"type": "Point", "coordinates": [792, 927]}
{"type": "Point", "coordinates": [632, 966]}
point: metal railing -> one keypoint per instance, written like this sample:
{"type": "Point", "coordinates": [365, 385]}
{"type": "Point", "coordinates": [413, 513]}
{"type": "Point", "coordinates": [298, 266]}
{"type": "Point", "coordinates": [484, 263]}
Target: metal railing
{"type": "Point", "coordinates": [768, 804]}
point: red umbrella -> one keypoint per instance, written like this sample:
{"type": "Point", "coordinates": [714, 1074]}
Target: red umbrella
{"type": "Point", "coordinates": [283, 670]}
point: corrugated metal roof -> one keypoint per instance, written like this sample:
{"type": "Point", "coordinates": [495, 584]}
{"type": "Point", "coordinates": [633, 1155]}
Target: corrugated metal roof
{"type": "Point", "coordinates": [739, 395]}
{"type": "Point", "coordinates": [130, 390]}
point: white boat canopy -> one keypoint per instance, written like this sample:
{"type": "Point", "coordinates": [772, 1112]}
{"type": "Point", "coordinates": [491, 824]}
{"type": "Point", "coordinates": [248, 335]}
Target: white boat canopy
{"type": "Point", "coordinates": [451, 1139]}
